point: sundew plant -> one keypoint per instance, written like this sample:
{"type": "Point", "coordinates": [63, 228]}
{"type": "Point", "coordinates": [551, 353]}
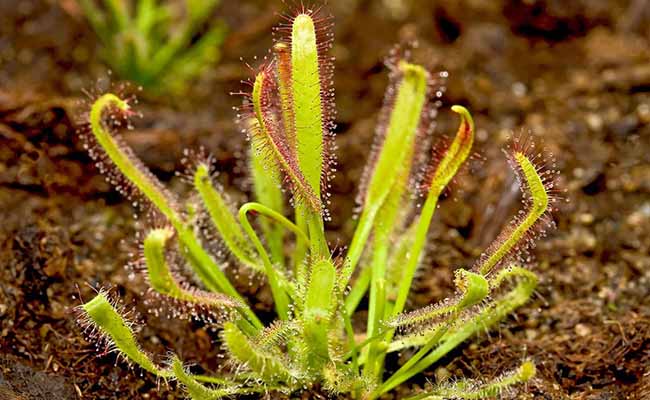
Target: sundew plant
{"type": "Point", "coordinates": [288, 115]}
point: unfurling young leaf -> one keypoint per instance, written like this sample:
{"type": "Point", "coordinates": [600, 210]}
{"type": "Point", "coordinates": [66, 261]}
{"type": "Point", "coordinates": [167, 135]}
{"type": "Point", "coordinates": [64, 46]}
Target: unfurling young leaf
{"type": "Point", "coordinates": [452, 160]}
{"type": "Point", "coordinates": [112, 151]}
{"type": "Point", "coordinates": [162, 280]}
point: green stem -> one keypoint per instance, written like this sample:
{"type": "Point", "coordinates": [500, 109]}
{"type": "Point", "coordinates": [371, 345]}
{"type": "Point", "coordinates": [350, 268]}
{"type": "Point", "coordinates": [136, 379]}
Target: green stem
{"type": "Point", "coordinates": [424, 222]}
{"type": "Point", "coordinates": [363, 344]}
{"type": "Point", "coordinates": [320, 300]}
{"type": "Point", "coordinates": [402, 374]}
{"type": "Point", "coordinates": [376, 310]}
{"type": "Point", "coordinates": [279, 294]}
{"type": "Point", "coordinates": [300, 250]}
{"type": "Point", "coordinates": [277, 217]}
{"type": "Point", "coordinates": [358, 290]}
{"type": "Point", "coordinates": [361, 234]}
{"type": "Point", "coordinates": [353, 349]}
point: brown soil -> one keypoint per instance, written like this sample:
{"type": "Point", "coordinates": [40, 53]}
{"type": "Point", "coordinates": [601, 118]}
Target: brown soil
{"type": "Point", "coordinates": [576, 74]}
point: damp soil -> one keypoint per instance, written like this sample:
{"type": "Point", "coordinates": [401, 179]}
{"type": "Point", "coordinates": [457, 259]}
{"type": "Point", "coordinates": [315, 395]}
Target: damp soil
{"type": "Point", "coordinates": [572, 75]}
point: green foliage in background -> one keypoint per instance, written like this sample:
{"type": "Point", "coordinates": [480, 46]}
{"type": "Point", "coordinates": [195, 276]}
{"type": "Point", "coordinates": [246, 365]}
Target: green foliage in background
{"type": "Point", "coordinates": [155, 44]}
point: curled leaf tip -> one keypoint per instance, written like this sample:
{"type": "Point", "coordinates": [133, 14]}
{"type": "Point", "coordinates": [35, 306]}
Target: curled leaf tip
{"type": "Point", "coordinates": [534, 183]}
{"type": "Point", "coordinates": [456, 154]}
{"type": "Point", "coordinates": [412, 69]}
{"type": "Point", "coordinates": [466, 117]}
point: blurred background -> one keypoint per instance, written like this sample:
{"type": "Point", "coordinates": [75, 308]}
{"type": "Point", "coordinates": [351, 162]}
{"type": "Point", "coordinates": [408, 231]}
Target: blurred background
{"type": "Point", "coordinates": [573, 75]}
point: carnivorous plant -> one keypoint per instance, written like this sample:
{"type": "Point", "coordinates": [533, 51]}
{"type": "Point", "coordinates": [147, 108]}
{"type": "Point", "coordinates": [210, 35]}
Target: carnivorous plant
{"type": "Point", "coordinates": [288, 115]}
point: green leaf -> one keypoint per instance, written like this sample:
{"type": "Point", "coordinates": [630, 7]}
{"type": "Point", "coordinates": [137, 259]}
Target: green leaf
{"type": "Point", "coordinates": [394, 160]}
{"type": "Point", "coordinates": [103, 315]}
{"type": "Point", "coordinates": [138, 176]}
{"type": "Point", "coordinates": [429, 324]}
{"type": "Point", "coordinates": [310, 124]}
{"type": "Point", "coordinates": [537, 206]}
{"type": "Point", "coordinates": [126, 162]}
{"type": "Point", "coordinates": [199, 10]}
{"type": "Point", "coordinates": [195, 60]}
{"type": "Point", "coordinates": [145, 16]}
{"type": "Point", "coordinates": [151, 47]}
{"type": "Point", "coordinates": [473, 288]}
{"type": "Point", "coordinates": [223, 219]}
{"type": "Point", "coordinates": [525, 283]}
{"type": "Point", "coordinates": [284, 72]}
{"type": "Point", "coordinates": [309, 121]}
{"type": "Point", "coordinates": [273, 144]}
{"type": "Point", "coordinates": [119, 13]}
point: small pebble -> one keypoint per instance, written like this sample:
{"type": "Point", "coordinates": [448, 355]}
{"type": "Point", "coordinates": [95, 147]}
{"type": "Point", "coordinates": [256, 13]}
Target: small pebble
{"type": "Point", "coordinates": [595, 122]}
{"type": "Point", "coordinates": [582, 330]}
{"type": "Point", "coordinates": [586, 218]}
